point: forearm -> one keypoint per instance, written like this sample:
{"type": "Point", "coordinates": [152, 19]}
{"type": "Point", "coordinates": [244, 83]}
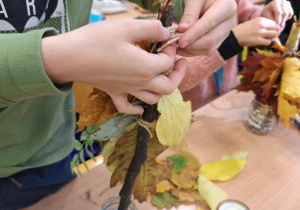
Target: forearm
{"type": "Point", "coordinates": [22, 74]}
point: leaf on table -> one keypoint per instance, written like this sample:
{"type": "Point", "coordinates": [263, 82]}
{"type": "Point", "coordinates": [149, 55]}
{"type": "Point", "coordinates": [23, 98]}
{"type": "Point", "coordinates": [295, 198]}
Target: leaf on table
{"type": "Point", "coordinates": [175, 119]}
{"type": "Point", "coordinates": [97, 110]}
{"type": "Point", "coordinates": [189, 197]}
{"type": "Point", "coordinates": [188, 176]}
{"type": "Point", "coordinates": [222, 170]}
{"type": "Point", "coordinates": [162, 200]}
{"type": "Point", "coordinates": [212, 194]}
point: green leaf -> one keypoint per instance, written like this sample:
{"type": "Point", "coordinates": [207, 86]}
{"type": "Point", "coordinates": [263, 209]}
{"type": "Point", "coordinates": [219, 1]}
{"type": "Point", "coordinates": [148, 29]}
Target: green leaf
{"type": "Point", "coordinates": [90, 154]}
{"type": "Point", "coordinates": [81, 155]}
{"type": "Point", "coordinates": [178, 162]}
{"type": "Point", "coordinates": [162, 200]}
{"type": "Point", "coordinates": [75, 158]}
{"type": "Point", "coordinates": [83, 135]}
{"type": "Point", "coordinates": [77, 145]}
{"type": "Point", "coordinates": [72, 166]}
{"type": "Point", "coordinates": [113, 127]}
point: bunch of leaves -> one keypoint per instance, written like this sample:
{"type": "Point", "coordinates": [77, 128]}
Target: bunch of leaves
{"type": "Point", "coordinates": [273, 74]}
{"type": "Point", "coordinates": [191, 183]}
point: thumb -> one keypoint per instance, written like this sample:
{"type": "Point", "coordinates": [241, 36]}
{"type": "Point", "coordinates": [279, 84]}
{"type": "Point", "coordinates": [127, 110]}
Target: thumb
{"type": "Point", "coordinates": [123, 106]}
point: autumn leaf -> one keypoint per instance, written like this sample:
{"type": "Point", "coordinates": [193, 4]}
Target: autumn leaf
{"type": "Point", "coordinates": [151, 171]}
{"type": "Point", "coordinates": [212, 194]}
{"type": "Point", "coordinates": [188, 176]}
{"type": "Point", "coordinates": [97, 110]}
{"type": "Point", "coordinates": [110, 147]}
{"type": "Point", "coordinates": [164, 186]}
{"type": "Point", "coordinates": [222, 170]}
{"type": "Point", "coordinates": [289, 90]}
{"type": "Point", "coordinates": [175, 119]}
{"type": "Point", "coordinates": [162, 200]}
{"type": "Point", "coordinates": [189, 197]}
{"type": "Point", "coordinates": [178, 162]}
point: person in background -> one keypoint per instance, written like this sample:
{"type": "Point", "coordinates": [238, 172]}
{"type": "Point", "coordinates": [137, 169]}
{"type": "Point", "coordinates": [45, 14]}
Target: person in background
{"type": "Point", "coordinates": [209, 76]}
{"type": "Point", "coordinates": [295, 4]}
{"type": "Point", "coordinates": [46, 46]}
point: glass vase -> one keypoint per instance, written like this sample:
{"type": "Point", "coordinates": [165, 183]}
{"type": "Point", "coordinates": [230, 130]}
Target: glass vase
{"type": "Point", "coordinates": [260, 118]}
{"type": "Point", "coordinates": [113, 204]}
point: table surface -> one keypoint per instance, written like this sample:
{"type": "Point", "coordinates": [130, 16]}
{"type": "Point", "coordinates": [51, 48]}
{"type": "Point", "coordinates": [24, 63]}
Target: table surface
{"type": "Point", "coordinates": [269, 181]}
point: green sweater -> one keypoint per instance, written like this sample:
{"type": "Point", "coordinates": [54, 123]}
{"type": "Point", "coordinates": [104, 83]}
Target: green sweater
{"type": "Point", "coordinates": [36, 128]}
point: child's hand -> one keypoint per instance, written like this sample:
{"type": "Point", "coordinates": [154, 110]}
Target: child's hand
{"type": "Point", "coordinates": [104, 55]}
{"type": "Point", "coordinates": [205, 24]}
{"type": "Point", "coordinates": [255, 32]}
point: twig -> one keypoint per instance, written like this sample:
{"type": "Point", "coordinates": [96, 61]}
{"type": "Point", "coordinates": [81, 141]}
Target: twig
{"type": "Point", "coordinates": [150, 114]}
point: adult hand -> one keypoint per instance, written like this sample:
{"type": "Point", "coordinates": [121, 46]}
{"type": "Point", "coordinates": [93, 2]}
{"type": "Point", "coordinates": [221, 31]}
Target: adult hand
{"type": "Point", "coordinates": [255, 32]}
{"type": "Point", "coordinates": [205, 24]}
{"type": "Point", "coordinates": [104, 55]}
{"type": "Point", "coordinates": [278, 10]}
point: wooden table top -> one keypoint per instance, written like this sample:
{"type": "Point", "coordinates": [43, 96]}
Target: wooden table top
{"type": "Point", "coordinates": [269, 181]}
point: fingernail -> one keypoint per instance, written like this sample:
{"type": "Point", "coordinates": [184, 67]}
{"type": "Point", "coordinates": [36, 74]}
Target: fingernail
{"type": "Point", "coordinates": [139, 109]}
{"type": "Point", "coordinates": [184, 24]}
{"type": "Point", "coordinates": [185, 44]}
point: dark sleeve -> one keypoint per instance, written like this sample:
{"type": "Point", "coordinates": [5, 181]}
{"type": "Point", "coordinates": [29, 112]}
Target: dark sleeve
{"type": "Point", "coordinates": [230, 47]}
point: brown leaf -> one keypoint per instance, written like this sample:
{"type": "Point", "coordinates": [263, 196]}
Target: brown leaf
{"type": "Point", "coordinates": [97, 110]}
{"type": "Point", "coordinates": [188, 176]}
{"type": "Point", "coordinates": [151, 171]}
{"type": "Point", "coordinates": [189, 197]}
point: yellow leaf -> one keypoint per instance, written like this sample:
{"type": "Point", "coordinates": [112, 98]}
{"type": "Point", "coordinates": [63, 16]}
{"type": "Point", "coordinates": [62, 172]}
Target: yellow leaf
{"type": "Point", "coordinates": [175, 119]}
{"type": "Point", "coordinates": [222, 170]}
{"type": "Point", "coordinates": [212, 194]}
{"type": "Point", "coordinates": [163, 186]}
{"type": "Point", "coordinates": [268, 53]}
{"type": "Point", "coordinates": [290, 81]}
{"type": "Point", "coordinates": [286, 110]}
{"type": "Point", "coordinates": [289, 91]}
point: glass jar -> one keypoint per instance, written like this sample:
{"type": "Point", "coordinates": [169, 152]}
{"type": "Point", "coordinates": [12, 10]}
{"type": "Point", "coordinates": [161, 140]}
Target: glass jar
{"type": "Point", "coordinates": [260, 118]}
{"type": "Point", "coordinates": [113, 204]}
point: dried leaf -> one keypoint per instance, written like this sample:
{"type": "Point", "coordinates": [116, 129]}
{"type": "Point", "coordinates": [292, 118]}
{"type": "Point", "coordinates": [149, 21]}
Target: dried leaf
{"type": "Point", "coordinates": [151, 171]}
{"type": "Point", "coordinates": [289, 93]}
{"type": "Point", "coordinates": [97, 110]}
{"type": "Point", "coordinates": [175, 119]}
{"type": "Point", "coordinates": [164, 186]}
{"type": "Point", "coordinates": [189, 197]}
{"type": "Point", "coordinates": [162, 200]}
{"type": "Point", "coordinates": [188, 176]}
